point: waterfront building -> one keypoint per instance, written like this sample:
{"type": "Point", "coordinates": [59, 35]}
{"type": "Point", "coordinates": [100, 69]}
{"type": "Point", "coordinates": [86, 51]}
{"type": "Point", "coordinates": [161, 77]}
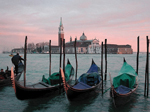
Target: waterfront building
{"type": "Point", "coordinates": [55, 49]}
{"type": "Point", "coordinates": [31, 46]}
{"type": "Point", "coordinates": [118, 49]}
{"type": "Point", "coordinates": [20, 50]}
{"type": "Point", "coordinates": [124, 49]}
{"type": "Point", "coordinates": [83, 46]}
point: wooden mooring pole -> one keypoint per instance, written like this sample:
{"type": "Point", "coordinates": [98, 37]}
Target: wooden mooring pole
{"type": "Point", "coordinates": [75, 50]}
{"type": "Point", "coordinates": [146, 86]}
{"type": "Point", "coordinates": [147, 65]}
{"type": "Point", "coordinates": [60, 65]}
{"type": "Point", "coordinates": [137, 58]}
{"type": "Point", "coordinates": [105, 78]}
{"type": "Point", "coordinates": [25, 52]}
{"type": "Point", "coordinates": [60, 52]}
{"type": "Point", "coordinates": [102, 65]}
{"type": "Point", "coordinates": [49, 57]}
{"type": "Point", "coordinates": [64, 55]}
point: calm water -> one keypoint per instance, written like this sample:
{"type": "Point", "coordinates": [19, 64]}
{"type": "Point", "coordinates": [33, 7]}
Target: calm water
{"type": "Point", "coordinates": [38, 65]}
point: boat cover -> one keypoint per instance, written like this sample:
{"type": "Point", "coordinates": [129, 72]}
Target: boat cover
{"type": "Point", "coordinates": [93, 68]}
{"type": "Point", "coordinates": [90, 79]}
{"type": "Point", "coordinates": [81, 85]}
{"type": "Point", "coordinates": [126, 76]}
{"type": "Point", "coordinates": [122, 89]}
{"type": "Point", "coordinates": [55, 76]}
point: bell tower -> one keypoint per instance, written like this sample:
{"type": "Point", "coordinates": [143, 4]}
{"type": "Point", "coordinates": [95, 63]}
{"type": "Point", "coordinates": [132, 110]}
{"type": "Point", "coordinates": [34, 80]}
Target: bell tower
{"type": "Point", "coordinates": [60, 32]}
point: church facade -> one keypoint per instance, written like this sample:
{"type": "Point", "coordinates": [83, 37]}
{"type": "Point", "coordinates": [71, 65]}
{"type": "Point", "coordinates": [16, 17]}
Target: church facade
{"type": "Point", "coordinates": [83, 46]}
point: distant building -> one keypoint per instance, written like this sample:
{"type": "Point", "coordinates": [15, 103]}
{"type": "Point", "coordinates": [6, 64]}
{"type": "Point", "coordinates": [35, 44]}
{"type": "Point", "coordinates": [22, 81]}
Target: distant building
{"type": "Point", "coordinates": [118, 49]}
{"type": "Point", "coordinates": [20, 50]}
{"type": "Point", "coordinates": [55, 49]}
{"type": "Point", "coordinates": [31, 46]}
{"type": "Point", "coordinates": [125, 49]}
{"type": "Point", "coordinates": [83, 46]}
{"type": "Point", "coordinates": [41, 44]}
{"type": "Point", "coordinates": [94, 47]}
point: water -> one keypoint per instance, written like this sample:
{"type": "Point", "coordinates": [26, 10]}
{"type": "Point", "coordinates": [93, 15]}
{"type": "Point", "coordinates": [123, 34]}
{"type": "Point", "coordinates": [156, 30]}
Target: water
{"type": "Point", "coordinates": [38, 65]}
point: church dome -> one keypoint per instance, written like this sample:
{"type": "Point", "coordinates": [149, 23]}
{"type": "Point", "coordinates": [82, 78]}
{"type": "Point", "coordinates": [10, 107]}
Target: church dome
{"type": "Point", "coordinates": [83, 37]}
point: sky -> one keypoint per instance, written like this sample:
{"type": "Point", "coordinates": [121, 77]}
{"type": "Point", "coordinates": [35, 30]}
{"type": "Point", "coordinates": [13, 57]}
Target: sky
{"type": "Point", "coordinates": [118, 21]}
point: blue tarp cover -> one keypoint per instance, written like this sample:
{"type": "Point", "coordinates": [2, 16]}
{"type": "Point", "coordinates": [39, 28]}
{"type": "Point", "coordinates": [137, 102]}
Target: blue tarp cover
{"type": "Point", "coordinates": [84, 78]}
{"type": "Point", "coordinates": [93, 68]}
{"type": "Point", "coordinates": [81, 85]}
{"type": "Point", "coordinates": [122, 89]}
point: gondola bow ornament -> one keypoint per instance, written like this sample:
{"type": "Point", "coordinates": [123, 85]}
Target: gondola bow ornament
{"type": "Point", "coordinates": [13, 79]}
{"type": "Point", "coordinates": [63, 79]}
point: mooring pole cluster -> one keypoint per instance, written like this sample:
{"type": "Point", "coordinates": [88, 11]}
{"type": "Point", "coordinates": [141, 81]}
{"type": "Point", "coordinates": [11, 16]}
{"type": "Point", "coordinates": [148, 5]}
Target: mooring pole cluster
{"type": "Point", "coordinates": [105, 52]}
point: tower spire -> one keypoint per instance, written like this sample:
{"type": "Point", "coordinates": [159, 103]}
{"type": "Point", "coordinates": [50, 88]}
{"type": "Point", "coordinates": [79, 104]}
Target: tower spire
{"type": "Point", "coordinates": [61, 21]}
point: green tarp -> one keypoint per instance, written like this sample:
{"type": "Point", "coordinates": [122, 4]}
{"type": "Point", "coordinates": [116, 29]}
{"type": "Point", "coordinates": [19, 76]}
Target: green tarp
{"type": "Point", "coordinates": [126, 76]}
{"type": "Point", "coordinates": [55, 76]}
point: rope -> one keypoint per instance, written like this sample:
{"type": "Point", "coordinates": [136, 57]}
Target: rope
{"type": "Point", "coordinates": [107, 90]}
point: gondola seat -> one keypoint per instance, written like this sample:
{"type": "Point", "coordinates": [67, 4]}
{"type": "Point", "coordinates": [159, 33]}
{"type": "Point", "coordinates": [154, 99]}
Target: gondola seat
{"type": "Point", "coordinates": [122, 89]}
{"type": "Point", "coordinates": [81, 85]}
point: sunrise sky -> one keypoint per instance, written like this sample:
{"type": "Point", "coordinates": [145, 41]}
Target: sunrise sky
{"type": "Point", "coordinates": [118, 21]}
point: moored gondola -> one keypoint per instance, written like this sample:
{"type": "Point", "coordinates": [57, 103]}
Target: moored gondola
{"type": "Point", "coordinates": [43, 88]}
{"type": "Point", "coordinates": [124, 85]}
{"type": "Point", "coordinates": [88, 83]}
{"type": "Point", "coordinates": [7, 80]}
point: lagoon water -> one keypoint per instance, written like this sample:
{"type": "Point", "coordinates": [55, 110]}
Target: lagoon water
{"type": "Point", "coordinates": [38, 65]}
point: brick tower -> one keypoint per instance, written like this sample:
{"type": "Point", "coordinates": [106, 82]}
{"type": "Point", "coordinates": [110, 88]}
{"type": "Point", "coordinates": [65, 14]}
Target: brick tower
{"type": "Point", "coordinates": [60, 32]}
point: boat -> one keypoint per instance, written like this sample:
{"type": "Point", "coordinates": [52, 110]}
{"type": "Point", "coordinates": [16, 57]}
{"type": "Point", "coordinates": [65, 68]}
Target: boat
{"type": "Point", "coordinates": [87, 84]}
{"type": "Point", "coordinates": [11, 55]}
{"type": "Point", "coordinates": [124, 85]}
{"type": "Point", "coordinates": [42, 88]}
{"type": "Point", "coordinates": [6, 82]}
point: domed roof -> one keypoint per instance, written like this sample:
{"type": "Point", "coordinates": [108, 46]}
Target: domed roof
{"type": "Point", "coordinates": [83, 37]}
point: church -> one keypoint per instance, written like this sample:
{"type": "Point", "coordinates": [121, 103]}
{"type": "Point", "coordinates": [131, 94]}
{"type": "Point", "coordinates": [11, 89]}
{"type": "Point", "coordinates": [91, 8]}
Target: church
{"type": "Point", "coordinates": [83, 45]}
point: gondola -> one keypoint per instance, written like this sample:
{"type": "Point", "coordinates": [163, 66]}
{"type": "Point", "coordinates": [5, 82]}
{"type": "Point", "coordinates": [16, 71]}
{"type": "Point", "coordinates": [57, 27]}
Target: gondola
{"type": "Point", "coordinates": [6, 82]}
{"type": "Point", "coordinates": [41, 89]}
{"type": "Point", "coordinates": [124, 85]}
{"type": "Point", "coordinates": [88, 83]}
